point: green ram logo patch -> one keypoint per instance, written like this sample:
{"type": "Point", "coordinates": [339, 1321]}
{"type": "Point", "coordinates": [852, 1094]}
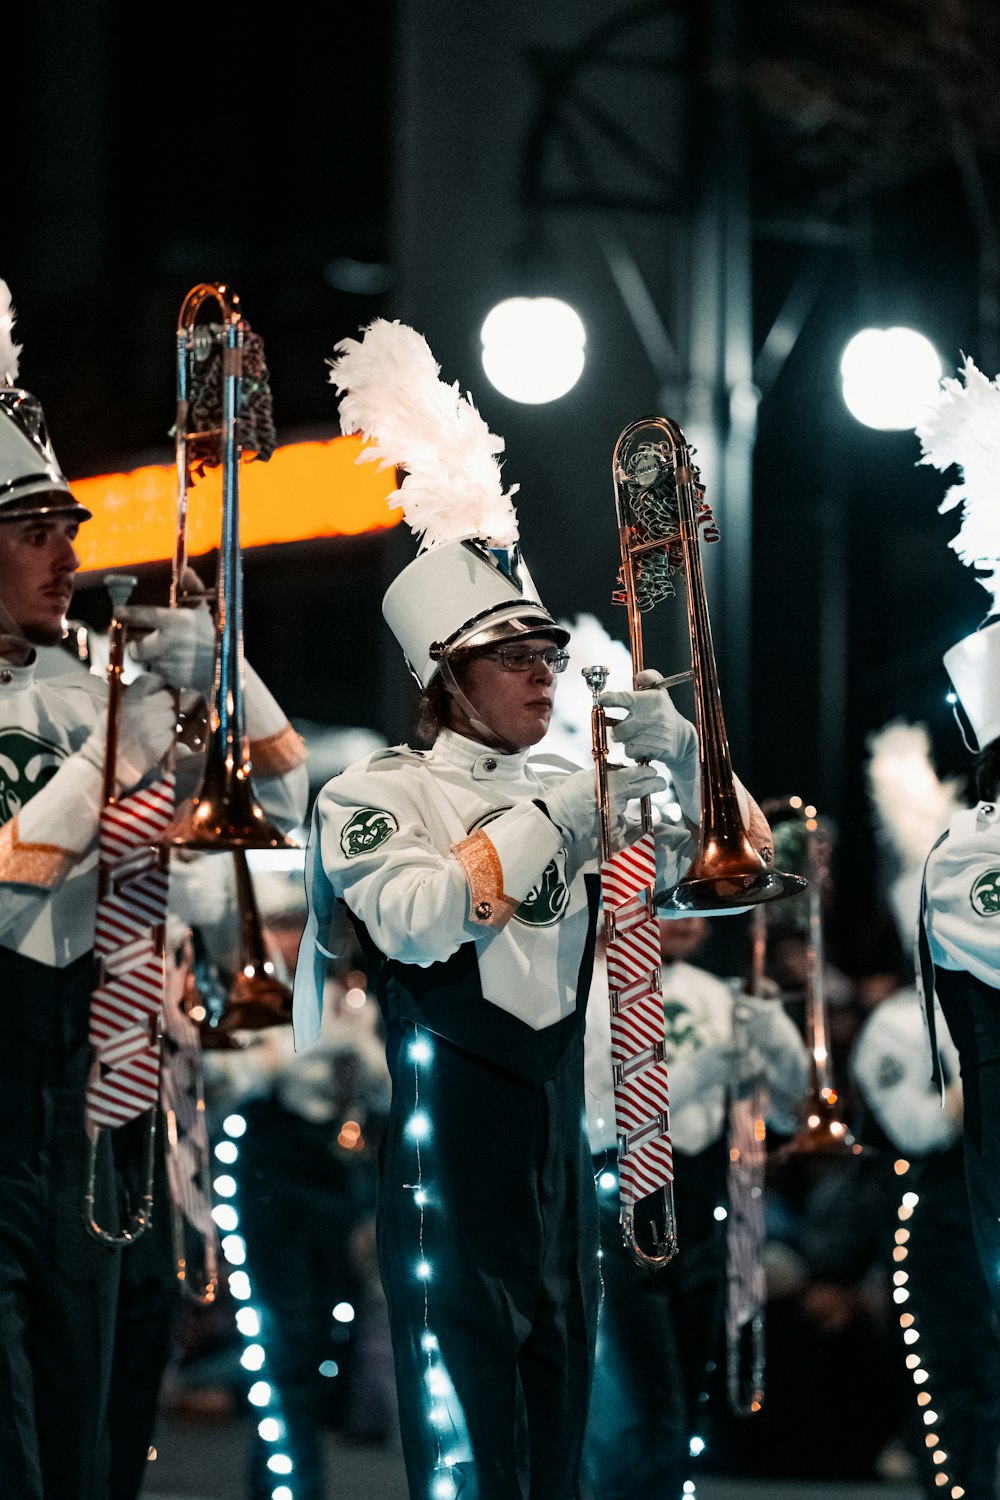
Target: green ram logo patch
{"type": "Point", "coordinates": [367, 829]}
{"type": "Point", "coordinates": [985, 894]}
{"type": "Point", "coordinates": [27, 762]}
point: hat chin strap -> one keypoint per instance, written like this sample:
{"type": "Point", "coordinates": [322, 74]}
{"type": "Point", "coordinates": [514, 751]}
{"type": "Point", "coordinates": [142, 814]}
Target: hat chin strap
{"type": "Point", "coordinates": [488, 735]}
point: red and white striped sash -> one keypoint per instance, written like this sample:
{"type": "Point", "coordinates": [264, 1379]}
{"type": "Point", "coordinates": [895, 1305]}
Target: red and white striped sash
{"type": "Point", "coordinates": [642, 1100]}
{"type": "Point", "coordinates": [125, 1007]}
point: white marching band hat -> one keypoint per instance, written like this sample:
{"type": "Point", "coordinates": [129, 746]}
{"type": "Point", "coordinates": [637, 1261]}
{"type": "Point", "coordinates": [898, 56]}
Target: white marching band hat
{"type": "Point", "coordinates": [468, 585]}
{"type": "Point", "coordinates": [973, 665]}
{"type": "Point", "coordinates": [461, 594]}
{"type": "Point", "coordinates": [31, 481]}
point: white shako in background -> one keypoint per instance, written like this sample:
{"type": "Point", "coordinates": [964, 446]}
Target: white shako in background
{"type": "Point", "coordinates": [960, 927]}
{"type": "Point", "coordinates": [469, 873]}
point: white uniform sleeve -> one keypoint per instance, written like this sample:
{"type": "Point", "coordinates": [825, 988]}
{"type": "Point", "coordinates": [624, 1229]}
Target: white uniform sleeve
{"type": "Point", "coordinates": [889, 1063]}
{"type": "Point", "coordinates": [278, 754]}
{"type": "Point", "coordinates": [963, 895]}
{"type": "Point", "coordinates": [772, 1032]}
{"type": "Point", "coordinates": [377, 853]}
{"type": "Point", "coordinates": [49, 835]}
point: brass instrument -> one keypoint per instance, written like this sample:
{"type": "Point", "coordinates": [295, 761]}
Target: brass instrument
{"type": "Point", "coordinates": [257, 998]}
{"type": "Point", "coordinates": [746, 1289]}
{"type": "Point", "coordinates": [120, 586]}
{"type": "Point", "coordinates": [224, 812]}
{"type": "Point", "coordinates": [822, 1133]}
{"type": "Point", "coordinates": [658, 503]}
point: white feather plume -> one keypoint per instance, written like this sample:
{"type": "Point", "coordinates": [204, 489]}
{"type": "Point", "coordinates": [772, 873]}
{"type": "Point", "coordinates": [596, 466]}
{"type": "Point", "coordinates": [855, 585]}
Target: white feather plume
{"type": "Point", "coordinates": [912, 804]}
{"type": "Point", "coordinates": [410, 419]}
{"type": "Point", "coordinates": [10, 352]}
{"type": "Point", "coordinates": [962, 426]}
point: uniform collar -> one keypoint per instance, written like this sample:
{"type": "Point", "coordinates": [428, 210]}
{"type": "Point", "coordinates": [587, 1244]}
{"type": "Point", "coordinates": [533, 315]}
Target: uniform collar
{"type": "Point", "coordinates": [479, 761]}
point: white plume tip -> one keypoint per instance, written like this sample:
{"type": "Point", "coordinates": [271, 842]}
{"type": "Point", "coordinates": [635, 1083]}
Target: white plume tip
{"type": "Point", "coordinates": [410, 419]}
{"type": "Point", "coordinates": [10, 353]}
{"type": "Point", "coordinates": [962, 427]}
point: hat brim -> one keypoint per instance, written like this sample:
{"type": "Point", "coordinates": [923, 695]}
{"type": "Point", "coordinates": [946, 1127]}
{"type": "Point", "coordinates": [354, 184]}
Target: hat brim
{"type": "Point", "coordinates": [47, 503]}
{"type": "Point", "coordinates": [520, 622]}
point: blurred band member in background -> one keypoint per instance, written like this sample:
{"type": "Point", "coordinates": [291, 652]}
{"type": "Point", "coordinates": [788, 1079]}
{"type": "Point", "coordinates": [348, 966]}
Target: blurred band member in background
{"type": "Point", "coordinates": [657, 1334]}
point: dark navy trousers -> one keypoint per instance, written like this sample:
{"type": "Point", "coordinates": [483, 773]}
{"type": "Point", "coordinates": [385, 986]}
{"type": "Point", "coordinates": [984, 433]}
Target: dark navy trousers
{"type": "Point", "coordinates": [487, 1231]}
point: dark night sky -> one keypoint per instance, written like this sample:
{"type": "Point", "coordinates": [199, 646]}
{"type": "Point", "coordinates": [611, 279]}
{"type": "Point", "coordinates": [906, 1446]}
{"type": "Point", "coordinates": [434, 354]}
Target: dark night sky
{"type": "Point", "coordinates": [146, 154]}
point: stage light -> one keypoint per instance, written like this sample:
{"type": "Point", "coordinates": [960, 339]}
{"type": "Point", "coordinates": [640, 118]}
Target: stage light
{"type": "Point", "coordinates": [533, 348]}
{"type": "Point", "coordinates": [889, 376]}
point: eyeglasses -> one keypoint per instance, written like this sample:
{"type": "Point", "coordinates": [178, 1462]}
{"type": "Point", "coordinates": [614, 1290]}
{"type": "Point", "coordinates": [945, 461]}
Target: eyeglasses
{"type": "Point", "coordinates": [516, 658]}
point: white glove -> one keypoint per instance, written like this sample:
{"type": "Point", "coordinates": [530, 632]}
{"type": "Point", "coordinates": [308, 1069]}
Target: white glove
{"type": "Point", "coordinates": [766, 1024]}
{"type": "Point", "coordinates": [146, 726]}
{"type": "Point", "coordinates": [654, 729]}
{"type": "Point", "coordinates": [710, 1067]}
{"type": "Point", "coordinates": [572, 805]}
{"type": "Point", "coordinates": [181, 648]}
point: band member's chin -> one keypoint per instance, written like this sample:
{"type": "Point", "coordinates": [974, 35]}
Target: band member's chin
{"type": "Point", "coordinates": [40, 634]}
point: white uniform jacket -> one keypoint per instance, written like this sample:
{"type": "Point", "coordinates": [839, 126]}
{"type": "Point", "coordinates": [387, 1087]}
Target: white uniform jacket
{"type": "Point", "coordinates": [963, 895]}
{"type": "Point", "coordinates": [433, 850]}
{"type": "Point", "coordinates": [50, 802]}
{"type": "Point", "coordinates": [889, 1066]}
{"type": "Point", "coordinates": [704, 1062]}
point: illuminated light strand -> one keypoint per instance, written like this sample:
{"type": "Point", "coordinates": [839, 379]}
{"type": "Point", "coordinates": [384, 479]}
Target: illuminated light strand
{"type": "Point", "coordinates": [418, 1130]}
{"type": "Point", "coordinates": [606, 1181]}
{"type": "Point", "coordinates": [305, 490]}
{"type": "Point", "coordinates": [911, 1336]}
{"type": "Point", "coordinates": [262, 1395]}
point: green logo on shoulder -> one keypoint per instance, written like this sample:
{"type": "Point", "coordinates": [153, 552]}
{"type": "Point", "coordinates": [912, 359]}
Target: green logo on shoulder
{"type": "Point", "coordinates": [368, 828]}
{"type": "Point", "coordinates": [985, 894]}
{"type": "Point", "coordinates": [27, 762]}
{"type": "Point", "coordinates": [548, 898]}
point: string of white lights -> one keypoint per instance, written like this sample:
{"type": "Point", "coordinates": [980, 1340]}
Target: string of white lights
{"type": "Point", "coordinates": [442, 1400]}
{"type": "Point", "coordinates": [262, 1395]}
{"type": "Point", "coordinates": [911, 1337]}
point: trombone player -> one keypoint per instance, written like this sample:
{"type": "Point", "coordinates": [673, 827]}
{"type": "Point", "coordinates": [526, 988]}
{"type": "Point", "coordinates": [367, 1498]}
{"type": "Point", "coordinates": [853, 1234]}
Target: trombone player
{"type": "Point", "coordinates": [58, 1286]}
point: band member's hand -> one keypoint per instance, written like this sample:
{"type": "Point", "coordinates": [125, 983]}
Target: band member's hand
{"type": "Point", "coordinates": [181, 646]}
{"type": "Point", "coordinates": [145, 732]}
{"type": "Point", "coordinates": [572, 805]}
{"type": "Point", "coordinates": [654, 729]}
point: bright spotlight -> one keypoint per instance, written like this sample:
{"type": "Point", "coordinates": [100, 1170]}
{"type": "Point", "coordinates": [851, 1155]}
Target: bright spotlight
{"type": "Point", "coordinates": [533, 348]}
{"type": "Point", "coordinates": [889, 376]}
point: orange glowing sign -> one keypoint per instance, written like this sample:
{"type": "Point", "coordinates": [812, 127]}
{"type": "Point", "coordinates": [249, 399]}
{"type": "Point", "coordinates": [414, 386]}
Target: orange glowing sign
{"type": "Point", "coordinates": [305, 490]}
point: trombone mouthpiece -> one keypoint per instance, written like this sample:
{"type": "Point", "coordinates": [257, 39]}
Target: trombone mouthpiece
{"type": "Point", "coordinates": [119, 586]}
{"type": "Point", "coordinates": [596, 678]}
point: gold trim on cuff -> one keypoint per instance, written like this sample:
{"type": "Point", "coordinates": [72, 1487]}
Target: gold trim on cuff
{"type": "Point", "coordinates": [277, 754]}
{"type": "Point", "coordinates": [487, 903]}
{"type": "Point", "coordinates": [31, 864]}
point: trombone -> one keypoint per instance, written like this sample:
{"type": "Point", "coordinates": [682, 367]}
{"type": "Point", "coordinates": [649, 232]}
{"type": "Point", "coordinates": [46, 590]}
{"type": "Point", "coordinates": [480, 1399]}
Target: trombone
{"type": "Point", "coordinates": [139, 926]}
{"type": "Point", "coordinates": [822, 1133]}
{"type": "Point", "coordinates": [660, 506]}
{"type": "Point", "coordinates": [224, 812]}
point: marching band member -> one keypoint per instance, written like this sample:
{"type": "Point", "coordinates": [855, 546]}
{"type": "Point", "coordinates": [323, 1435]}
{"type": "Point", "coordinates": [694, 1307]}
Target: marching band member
{"type": "Point", "coordinates": [468, 871]}
{"type": "Point", "coordinates": [657, 1333]}
{"type": "Point", "coordinates": [57, 1285]}
{"type": "Point", "coordinates": [959, 945]}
